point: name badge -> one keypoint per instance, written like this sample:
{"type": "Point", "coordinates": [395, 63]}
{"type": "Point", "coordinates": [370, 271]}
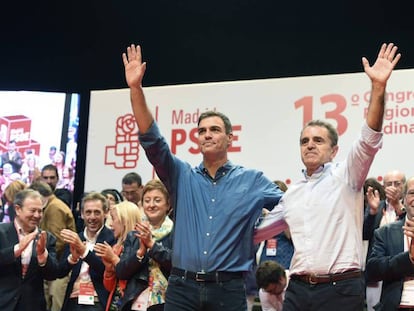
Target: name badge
{"type": "Point", "coordinates": [86, 294]}
{"type": "Point", "coordinates": [141, 302]}
{"type": "Point", "coordinates": [271, 246]}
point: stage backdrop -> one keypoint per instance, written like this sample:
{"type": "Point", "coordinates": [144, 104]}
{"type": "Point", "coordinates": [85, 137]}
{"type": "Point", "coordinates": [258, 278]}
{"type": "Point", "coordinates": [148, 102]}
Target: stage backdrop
{"type": "Point", "coordinates": [267, 116]}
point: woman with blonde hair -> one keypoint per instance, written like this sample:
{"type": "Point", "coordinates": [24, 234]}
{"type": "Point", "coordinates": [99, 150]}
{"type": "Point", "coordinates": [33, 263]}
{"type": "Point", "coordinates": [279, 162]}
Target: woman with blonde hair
{"type": "Point", "coordinates": [124, 217]}
{"type": "Point", "coordinates": [9, 194]}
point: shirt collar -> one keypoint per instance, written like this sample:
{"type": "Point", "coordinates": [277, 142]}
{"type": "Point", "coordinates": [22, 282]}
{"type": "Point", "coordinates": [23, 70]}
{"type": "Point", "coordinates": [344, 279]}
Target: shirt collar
{"type": "Point", "coordinates": [223, 170]}
{"type": "Point", "coordinates": [93, 240]}
{"type": "Point", "coordinates": [19, 228]}
{"type": "Point", "coordinates": [318, 172]}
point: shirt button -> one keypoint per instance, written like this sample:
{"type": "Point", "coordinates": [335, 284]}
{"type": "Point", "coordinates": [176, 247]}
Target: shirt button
{"type": "Point", "coordinates": [210, 217]}
{"type": "Point", "coordinates": [207, 234]}
{"type": "Point", "coordinates": [213, 200]}
{"type": "Point", "coordinates": [205, 252]}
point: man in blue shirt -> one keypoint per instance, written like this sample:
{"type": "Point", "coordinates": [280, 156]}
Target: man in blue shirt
{"type": "Point", "coordinates": [216, 206]}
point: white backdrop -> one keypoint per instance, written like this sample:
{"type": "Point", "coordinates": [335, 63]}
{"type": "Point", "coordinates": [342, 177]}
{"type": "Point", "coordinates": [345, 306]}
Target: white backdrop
{"type": "Point", "coordinates": [267, 116]}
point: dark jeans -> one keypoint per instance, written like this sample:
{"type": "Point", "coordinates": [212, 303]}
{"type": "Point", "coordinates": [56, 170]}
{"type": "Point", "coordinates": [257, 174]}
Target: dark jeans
{"type": "Point", "coordinates": [189, 295]}
{"type": "Point", "coordinates": [346, 295]}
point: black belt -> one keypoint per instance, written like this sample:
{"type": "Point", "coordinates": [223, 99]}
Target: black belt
{"type": "Point", "coordinates": [216, 276]}
{"type": "Point", "coordinates": [314, 279]}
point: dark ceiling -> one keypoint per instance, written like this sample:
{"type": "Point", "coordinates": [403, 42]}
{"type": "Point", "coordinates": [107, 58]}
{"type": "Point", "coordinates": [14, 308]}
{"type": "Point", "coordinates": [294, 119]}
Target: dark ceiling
{"type": "Point", "coordinates": [77, 45]}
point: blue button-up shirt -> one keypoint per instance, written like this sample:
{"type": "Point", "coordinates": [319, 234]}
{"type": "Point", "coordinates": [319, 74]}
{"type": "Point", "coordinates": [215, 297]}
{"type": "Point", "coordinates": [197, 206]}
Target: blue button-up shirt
{"type": "Point", "coordinates": [214, 217]}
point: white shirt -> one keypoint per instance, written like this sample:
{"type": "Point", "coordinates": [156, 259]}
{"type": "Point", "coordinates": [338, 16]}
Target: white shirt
{"type": "Point", "coordinates": [270, 302]}
{"type": "Point", "coordinates": [325, 212]}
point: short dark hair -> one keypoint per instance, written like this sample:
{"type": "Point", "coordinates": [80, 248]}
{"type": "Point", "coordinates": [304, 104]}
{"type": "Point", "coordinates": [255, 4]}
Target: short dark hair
{"type": "Point", "coordinates": [115, 193]}
{"type": "Point", "coordinates": [211, 113]}
{"type": "Point", "coordinates": [95, 196]}
{"type": "Point", "coordinates": [131, 178]}
{"type": "Point", "coordinates": [50, 167]}
{"type": "Point", "coordinates": [332, 132]}
{"type": "Point", "coordinates": [269, 272]}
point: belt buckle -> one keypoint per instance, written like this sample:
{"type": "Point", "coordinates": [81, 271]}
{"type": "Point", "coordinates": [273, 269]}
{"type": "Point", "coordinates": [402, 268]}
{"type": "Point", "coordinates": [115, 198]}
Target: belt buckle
{"type": "Point", "coordinates": [200, 276]}
{"type": "Point", "coordinates": [310, 279]}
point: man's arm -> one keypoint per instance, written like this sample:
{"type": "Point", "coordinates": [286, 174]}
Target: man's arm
{"type": "Point", "coordinates": [379, 74]}
{"type": "Point", "coordinates": [134, 73]}
{"type": "Point", "coordinates": [272, 224]}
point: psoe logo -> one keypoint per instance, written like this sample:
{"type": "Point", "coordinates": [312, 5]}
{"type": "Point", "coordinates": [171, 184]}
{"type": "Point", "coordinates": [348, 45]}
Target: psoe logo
{"type": "Point", "coordinates": [125, 152]}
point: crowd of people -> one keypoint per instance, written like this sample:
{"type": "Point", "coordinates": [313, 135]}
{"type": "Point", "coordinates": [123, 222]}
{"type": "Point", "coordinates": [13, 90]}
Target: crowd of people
{"type": "Point", "coordinates": [196, 237]}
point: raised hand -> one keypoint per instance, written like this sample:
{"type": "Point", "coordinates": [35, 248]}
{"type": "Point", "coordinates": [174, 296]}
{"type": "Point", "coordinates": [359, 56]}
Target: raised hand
{"type": "Point", "coordinates": [381, 70]}
{"type": "Point", "coordinates": [373, 200]}
{"type": "Point", "coordinates": [41, 243]}
{"type": "Point", "coordinates": [24, 242]}
{"type": "Point", "coordinates": [73, 239]}
{"type": "Point", "coordinates": [134, 67]}
{"type": "Point", "coordinates": [105, 251]}
{"type": "Point", "coordinates": [144, 234]}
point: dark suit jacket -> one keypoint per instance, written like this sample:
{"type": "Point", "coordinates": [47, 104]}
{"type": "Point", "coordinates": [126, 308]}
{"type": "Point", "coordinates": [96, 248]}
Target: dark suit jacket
{"type": "Point", "coordinates": [17, 293]}
{"type": "Point", "coordinates": [96, 268]}
{"type": "Point", "coordinates": [389, 262]}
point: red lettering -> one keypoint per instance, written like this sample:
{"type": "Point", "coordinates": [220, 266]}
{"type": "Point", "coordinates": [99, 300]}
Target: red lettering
{"type": "Point", "coordinates": [232, 147]}
{"type": "Point", "coordinates": [178, 137]}
{"type": "Point", "coordinates": [193, 138]}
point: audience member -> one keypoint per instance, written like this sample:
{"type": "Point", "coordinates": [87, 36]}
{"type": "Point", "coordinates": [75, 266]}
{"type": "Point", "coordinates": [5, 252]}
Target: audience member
{"type": "Point", "coordinates": [114, 197]}
{"type": "Point", "coordinates": [52, 152]}
{"type": "Point", "coordinates": [216, 206]}
{"type": "Point", "coordinates": [280, 247]}
{"type": "Point", "coordinates": [379, 213]}
{"type": "Point", "coordinates": [50, 175]}
{"type": "Point", "coordinates": [85, 290]}
{"type": "Point", "coordinates": [56, 217]}
{"type": "Point", "coordinates": [29, 170]}
{"type": "Point", "coordinates": [9, 195]}
{"type": "Point", "coordinates": [147, 253]}
{"type": "Point", "coordinates": [132, 188]}
{"type": "Point", "coordinates": [392, 258]}
{"type": "Point", "coordinates": [124, 216]}
{"type": "Point", "coordinates": [13, 157]}
{"type": "Point", "coordinates": [27, 256]}
{"type": "Point", "coordinates": [324, 211]}
{"type": "Point", "coordinates": [59, 162]}
{"type": "Point", "coordinates": [8, 175]}
{"type": "Point", "coordinates": [272, 281]}
{"type": "Point", "coordinates": [68, 179]}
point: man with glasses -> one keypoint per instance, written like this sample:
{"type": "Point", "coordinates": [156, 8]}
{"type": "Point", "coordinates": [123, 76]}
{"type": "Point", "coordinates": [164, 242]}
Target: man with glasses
{"type": "Point", "coordinates": [392, 258]}
{"type": "Point", "coordinates": [379, 213]}
{"type": "Point", "coordinates": [132, 188]}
